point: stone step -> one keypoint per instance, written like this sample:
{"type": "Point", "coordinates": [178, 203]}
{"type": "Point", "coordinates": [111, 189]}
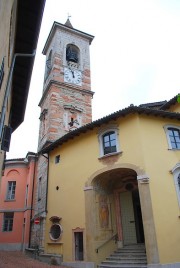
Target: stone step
{"type": "Point", "coordinates": [131, 249]}
{"type": "Point", "coordinates": [116, 258]}
{"type": "Point", "coordinates": [131, 256]}
{"type": "Point", "coordinates": [122, 266]}
{"type": "Point", "coordinates": [126, 259]}
{"type": "Point", "coordinates": [128, 254]}
{"type": "Point", "coordinates": [125, 262]}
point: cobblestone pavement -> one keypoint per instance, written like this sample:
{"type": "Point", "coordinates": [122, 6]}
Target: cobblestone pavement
{"type": "Point", "coordinates": [16, 259]}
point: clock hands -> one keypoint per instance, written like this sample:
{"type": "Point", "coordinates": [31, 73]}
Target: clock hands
{"type": "Point", "coordinates": [72, 73]}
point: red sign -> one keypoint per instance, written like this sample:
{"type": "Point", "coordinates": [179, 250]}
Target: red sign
{"type": "Point", "coordinates": [37, 221]}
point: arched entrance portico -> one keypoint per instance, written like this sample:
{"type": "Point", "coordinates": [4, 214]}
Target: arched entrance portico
{"type": "Point", "coordinates": [115, 197]}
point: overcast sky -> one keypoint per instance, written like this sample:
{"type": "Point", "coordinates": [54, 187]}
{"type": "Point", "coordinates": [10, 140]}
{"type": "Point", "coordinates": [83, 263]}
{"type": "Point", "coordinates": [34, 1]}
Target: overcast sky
{"type": "Point", "coordinates": [135, 57]}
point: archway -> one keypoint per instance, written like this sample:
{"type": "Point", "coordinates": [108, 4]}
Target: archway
{"type": "Point", "coordinates": [118, 204]}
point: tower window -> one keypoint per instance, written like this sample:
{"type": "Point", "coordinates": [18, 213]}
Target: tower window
{"type": "Point", "coordinates": [48, 64]}
{"type": "Point", "coordinates": [72, 53]}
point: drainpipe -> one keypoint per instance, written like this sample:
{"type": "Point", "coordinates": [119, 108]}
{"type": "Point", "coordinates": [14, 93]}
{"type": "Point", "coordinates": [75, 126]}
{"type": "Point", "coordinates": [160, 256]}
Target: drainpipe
{"type": "Point", "coordinates": [47, 181]}
{"type": "Point", "coordinates": [8, 86]}
{"type": "Point", "coordinates": [32, 197]}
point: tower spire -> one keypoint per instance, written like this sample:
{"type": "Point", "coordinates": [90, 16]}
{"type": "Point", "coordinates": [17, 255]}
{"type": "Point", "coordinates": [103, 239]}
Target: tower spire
{"type": "Point", "coordinates": [68, 23]}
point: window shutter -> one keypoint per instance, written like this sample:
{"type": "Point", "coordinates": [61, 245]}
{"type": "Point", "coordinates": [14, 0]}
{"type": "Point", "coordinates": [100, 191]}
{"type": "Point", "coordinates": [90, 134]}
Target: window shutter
{"type": "Point", "coordinates": [6, 138]}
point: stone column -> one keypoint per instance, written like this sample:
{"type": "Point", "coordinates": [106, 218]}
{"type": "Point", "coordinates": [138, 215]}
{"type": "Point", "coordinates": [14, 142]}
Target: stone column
{"type": "Point", "coordinates": [148, 220]}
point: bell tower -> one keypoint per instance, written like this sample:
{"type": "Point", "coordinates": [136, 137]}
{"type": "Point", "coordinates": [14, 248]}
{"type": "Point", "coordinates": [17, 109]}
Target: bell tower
{"type": "Point", "coordinates": [66, 99]}
{"type": "Point", "coordinates": [65, 103]}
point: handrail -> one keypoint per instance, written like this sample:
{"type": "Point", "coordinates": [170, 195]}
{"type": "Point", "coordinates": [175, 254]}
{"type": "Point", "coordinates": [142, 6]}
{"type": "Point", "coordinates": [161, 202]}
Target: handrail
{"type": "Point", "coordinates": [115, 237]}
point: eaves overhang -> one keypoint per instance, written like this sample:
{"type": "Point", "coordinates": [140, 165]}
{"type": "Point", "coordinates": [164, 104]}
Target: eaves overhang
{"type": "Point", "coordinates": [119, 114]}
{"type": "Point", "coordinates": [29, 17]}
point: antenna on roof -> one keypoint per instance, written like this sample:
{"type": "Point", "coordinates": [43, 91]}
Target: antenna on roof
{"type": "Point", "coordinates": [69, 16]}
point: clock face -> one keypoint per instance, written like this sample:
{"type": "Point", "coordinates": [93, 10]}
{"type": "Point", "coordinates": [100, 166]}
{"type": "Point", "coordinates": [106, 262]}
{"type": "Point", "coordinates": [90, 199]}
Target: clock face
{"type": "Point", "coordinates": [72, 76]}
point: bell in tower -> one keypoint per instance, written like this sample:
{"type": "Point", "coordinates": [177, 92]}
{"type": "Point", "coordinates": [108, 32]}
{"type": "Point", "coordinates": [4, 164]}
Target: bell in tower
{"type": "Point", "coordinates": [72, 54]}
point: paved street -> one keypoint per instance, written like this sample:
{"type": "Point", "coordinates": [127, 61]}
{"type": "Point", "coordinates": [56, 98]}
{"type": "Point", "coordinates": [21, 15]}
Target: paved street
{"type": "Point", "coordinates": [16, 259]}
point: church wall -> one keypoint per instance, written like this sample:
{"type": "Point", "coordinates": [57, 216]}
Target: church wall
{"type": "Point", "coordinates": [174, 108]}
{"type": "Point", "coordinates": [158, 162]}
{"type": "Point", "coordinates": [144, 145]}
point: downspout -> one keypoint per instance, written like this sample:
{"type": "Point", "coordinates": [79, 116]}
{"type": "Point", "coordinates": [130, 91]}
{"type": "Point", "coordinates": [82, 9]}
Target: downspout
{"type": "Point", "coordinates": [32, 197]}
{"type": "Point", "coordinates": [8, 87]}
{"type": "Point", "coordinates": [47, 181]}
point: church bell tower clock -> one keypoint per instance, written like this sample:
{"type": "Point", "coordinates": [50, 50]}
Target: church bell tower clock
{"type": "Point", "coordinates": [65, 103]}
{"type": "Point", "coordinates": [66, 100]}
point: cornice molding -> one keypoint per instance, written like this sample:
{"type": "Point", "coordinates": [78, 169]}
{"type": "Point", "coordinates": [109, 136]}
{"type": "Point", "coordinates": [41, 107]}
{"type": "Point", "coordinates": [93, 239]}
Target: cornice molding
{"type": "Point", "coordinates": [65, 86]}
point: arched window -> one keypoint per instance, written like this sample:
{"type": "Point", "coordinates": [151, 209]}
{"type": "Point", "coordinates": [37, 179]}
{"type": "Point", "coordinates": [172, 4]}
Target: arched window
{"type": "Point", "coordinates": [176, 174]}
{"type": "Point", "coordinates": [48, 64]}
{"type": "Point", "coordinates": [72, 53]}
{"type": "Point", "coordinates": [109, 141]}
{"type": "Point", "coordinates": [173, 136]}
{"type": "Point", "coordinates": [178, 183]}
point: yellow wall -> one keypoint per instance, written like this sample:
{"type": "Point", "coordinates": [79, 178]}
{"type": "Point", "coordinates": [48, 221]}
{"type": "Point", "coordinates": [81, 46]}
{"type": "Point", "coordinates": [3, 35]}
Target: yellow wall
{"type": "Point", "coordinates": [143, 143]}
{"type": "Point", "coordinates": [163, 193]}
{"type": "Point", "coordinates": [7, 8]}
{"type": "Point", "coordinates": [175, 108]}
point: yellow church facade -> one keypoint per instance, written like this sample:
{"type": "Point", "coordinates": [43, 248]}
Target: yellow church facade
{"type": "Point", "coordinates": [115, 182]}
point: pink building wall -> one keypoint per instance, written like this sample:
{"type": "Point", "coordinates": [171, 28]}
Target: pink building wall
{"type": "Point", "coordinates": [22, 171]}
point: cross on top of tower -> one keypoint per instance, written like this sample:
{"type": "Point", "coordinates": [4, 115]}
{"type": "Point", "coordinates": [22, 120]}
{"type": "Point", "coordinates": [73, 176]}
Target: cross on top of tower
{"type": "Point", "coordinates": [68, 23]}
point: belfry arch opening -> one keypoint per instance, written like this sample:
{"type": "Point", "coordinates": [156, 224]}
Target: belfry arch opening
{"type": "Point", "coordinates": [72, 53]}
{"type": "Point", "coordinates": [118, 205]}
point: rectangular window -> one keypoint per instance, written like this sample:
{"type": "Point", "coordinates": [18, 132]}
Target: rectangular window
{"type": "Point", "coordinates": [8, 221]}
{"type": "Point", "coordinates": [57, 159]}
{"type": "Point", "coordinates": [1, 72]}
{"type": "Point", "coordinates": [11, 190]}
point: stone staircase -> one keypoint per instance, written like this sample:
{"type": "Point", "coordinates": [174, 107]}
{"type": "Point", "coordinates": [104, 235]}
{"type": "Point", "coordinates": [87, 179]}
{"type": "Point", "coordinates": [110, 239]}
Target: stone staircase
{"type": "Point", "coordinates": [131, 256]}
